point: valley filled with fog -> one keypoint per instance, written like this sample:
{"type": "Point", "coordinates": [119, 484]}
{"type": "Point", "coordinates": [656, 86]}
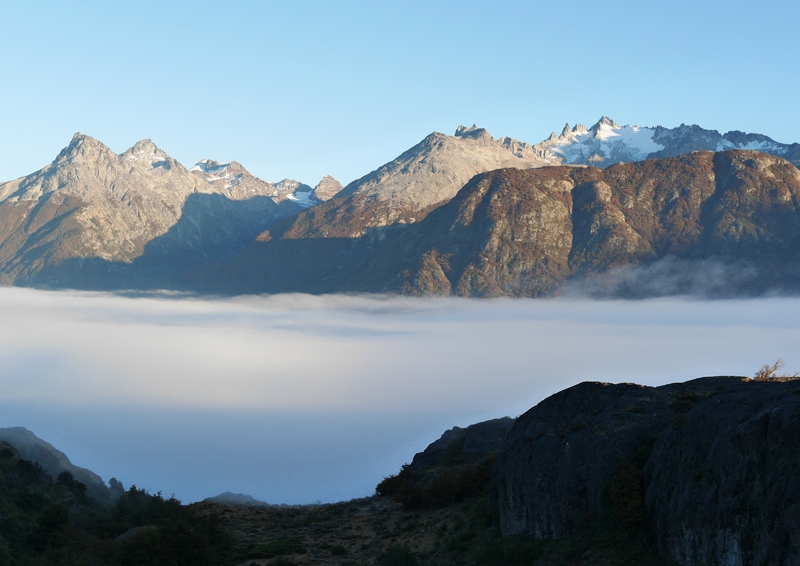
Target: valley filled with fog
{"type": "Point", "coordinates": [298, 398]}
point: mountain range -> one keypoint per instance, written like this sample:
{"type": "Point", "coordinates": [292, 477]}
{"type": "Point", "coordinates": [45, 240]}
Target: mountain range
{"type": "Point", "coordinates": [614, 210]}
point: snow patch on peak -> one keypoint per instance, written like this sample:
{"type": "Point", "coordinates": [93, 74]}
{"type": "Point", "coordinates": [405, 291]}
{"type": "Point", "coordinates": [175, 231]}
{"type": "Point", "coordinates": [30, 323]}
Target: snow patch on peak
{"type": "Point", "coordinates": [147, 152]}
{"type": "Point", "coordinates": [303, 198]}
{"type": "Point", "coordinates": [738, 140]}
{"type": "Point", "coordinates": [604, 143]}
{"type": "Point", "coordinates": [214, 171]}
{"type": "Point", "coordinates": [209, 166]}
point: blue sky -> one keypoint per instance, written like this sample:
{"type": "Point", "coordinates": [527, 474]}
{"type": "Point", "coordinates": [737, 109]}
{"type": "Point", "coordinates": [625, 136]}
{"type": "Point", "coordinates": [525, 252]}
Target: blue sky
{"type": "Point", "coordinates": [304, 89]}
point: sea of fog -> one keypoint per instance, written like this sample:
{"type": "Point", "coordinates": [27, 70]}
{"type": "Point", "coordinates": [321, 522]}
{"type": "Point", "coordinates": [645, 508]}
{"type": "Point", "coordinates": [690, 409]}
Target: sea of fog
{"type": "Point", "coordinates": [299, 399]}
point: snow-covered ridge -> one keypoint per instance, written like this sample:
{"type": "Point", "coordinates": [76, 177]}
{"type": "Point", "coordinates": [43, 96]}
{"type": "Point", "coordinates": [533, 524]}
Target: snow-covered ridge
{"type": "Point", "coordinates": [764, 145]}
{"type": "Point", "coordinates": [238, 183]}
{"type": "Point", "coordinates": [604, 143]}
{"type": "Point", "coordinates": [214, 171]}
{"type": "Point", "coordinates": [303, 198]}
{"type": "Point", "coordinates": [607, 143]}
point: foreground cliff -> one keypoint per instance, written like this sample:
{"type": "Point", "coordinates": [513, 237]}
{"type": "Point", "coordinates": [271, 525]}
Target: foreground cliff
{"type": "Point", "coordinates": [709, 467]}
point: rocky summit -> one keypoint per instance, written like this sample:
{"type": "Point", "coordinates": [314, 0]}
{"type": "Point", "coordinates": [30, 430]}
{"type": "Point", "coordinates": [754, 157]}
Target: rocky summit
{"type": "Point", "coordinates": [407, 188]}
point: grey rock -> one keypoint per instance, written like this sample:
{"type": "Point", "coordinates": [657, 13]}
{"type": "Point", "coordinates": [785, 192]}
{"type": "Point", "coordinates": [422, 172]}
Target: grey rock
{"type": "Point", "coordinates": [326, 189]}
{"type": "Point", "coordinates": [464, 445]}
{"type": "Point", "coordinates": [710, 466]}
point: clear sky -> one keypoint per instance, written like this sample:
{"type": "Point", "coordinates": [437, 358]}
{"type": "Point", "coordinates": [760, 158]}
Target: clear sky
{"type": "Point", "coordinates": [303, 89]}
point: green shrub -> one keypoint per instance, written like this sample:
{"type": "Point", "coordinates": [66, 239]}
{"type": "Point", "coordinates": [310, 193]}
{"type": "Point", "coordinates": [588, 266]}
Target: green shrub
{"type": "Point", "coordinates": [398, 556]}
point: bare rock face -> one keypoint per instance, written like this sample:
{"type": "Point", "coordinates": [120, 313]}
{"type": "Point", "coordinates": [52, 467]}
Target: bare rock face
{"type": "Point", "coordinates": [236, 183]}
{"type": "Point", "coordinates": [722, 488]}
{"type": "Point", "coordinates": [407, 188]}
{"type": "Point", "coordinates": [90, 202]}
{"type": "Point", "coordinates": [527, 233]}
{"type": "Point", "coordinates": [326, 189]}
{"type": "Point", "coordinates": [708, 224]}
{"type": "Point", "coordinates": [709, 465]}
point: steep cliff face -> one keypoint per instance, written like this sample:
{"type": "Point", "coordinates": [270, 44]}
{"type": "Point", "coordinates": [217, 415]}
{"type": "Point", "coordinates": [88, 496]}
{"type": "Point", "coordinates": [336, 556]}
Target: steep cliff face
{"type": "Point", "coordinates": [713, 224]}
{"type": "Point", "coordinates": [723, 488]}
{"type": "Point", "coordinates": [525, 233]}
{"type": "Point", "coordinates": [709, 465]}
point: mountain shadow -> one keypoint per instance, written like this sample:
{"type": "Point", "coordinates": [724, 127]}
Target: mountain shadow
{"type": "Point", "coordinates": [211, 228]}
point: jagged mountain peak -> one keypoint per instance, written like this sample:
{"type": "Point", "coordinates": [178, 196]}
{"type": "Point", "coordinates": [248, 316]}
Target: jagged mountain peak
{"type": "Point", "coordinates": [607, 143]}
{"type": "Point", "coordinates": [326, 189]}
{"type": "Point", "coordinates": [82, 146]}
{"type": "Point", "coordinates": [471, 132]}
{"type": "Point", "coordinates": [148, 152]}
{"type": "Point", "coordinates": [605, 121]}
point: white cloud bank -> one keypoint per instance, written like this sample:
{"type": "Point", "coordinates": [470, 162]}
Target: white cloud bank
{"type": "Point", "coordinates": [295, 398]}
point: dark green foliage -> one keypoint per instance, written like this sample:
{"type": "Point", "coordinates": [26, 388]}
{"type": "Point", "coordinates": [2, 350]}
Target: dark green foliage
{"type": "Point", "coordinates": [279, 547]}
{"type": "Point", "coordinates": [446, 486]}
{"type": "Point", "coordinates": [398, 556]}
{"type": "Point", "coordinates": [47, 522]}
{"type": "Point", "coordinates": [390, 485]}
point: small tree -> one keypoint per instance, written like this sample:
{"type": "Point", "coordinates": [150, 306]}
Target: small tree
{"type": "Point", "coordinates": [768, 372]}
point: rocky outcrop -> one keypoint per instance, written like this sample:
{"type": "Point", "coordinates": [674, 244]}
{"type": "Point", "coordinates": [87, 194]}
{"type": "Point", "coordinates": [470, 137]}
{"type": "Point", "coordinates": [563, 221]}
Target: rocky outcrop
{"type": "Point", "coordinates": [469, 445]}
{"type": "Point", "coordinates": [722, 488]}
{"type": "Point", "coordinates": [326, 189]}
{"type": "Point", "coordinates": [708, 465]}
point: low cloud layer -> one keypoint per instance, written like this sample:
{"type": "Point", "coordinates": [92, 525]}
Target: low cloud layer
{"type": "Point", "coordinates": [297, 398]}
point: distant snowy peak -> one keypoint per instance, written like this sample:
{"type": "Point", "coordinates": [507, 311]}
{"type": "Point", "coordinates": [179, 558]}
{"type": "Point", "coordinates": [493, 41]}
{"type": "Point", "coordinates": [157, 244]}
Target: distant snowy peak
{"type": "Point", "coordinates": [607, 143]}
{"type": "Point", "coordinates": [601, 145]}
{"type": "Point", "coordinates": [214, 172]}
{"type": "Point", "coordinates": [294, 191]}
{"type": "Point", "coordinates": [238, 183]}
{"type": "Point", "coordinates": [209, 166]}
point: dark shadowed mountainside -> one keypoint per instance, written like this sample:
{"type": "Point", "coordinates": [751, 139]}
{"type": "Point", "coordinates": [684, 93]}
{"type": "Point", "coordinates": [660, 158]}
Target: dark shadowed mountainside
{"type": "Point", "coordinates": [716, 224]}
